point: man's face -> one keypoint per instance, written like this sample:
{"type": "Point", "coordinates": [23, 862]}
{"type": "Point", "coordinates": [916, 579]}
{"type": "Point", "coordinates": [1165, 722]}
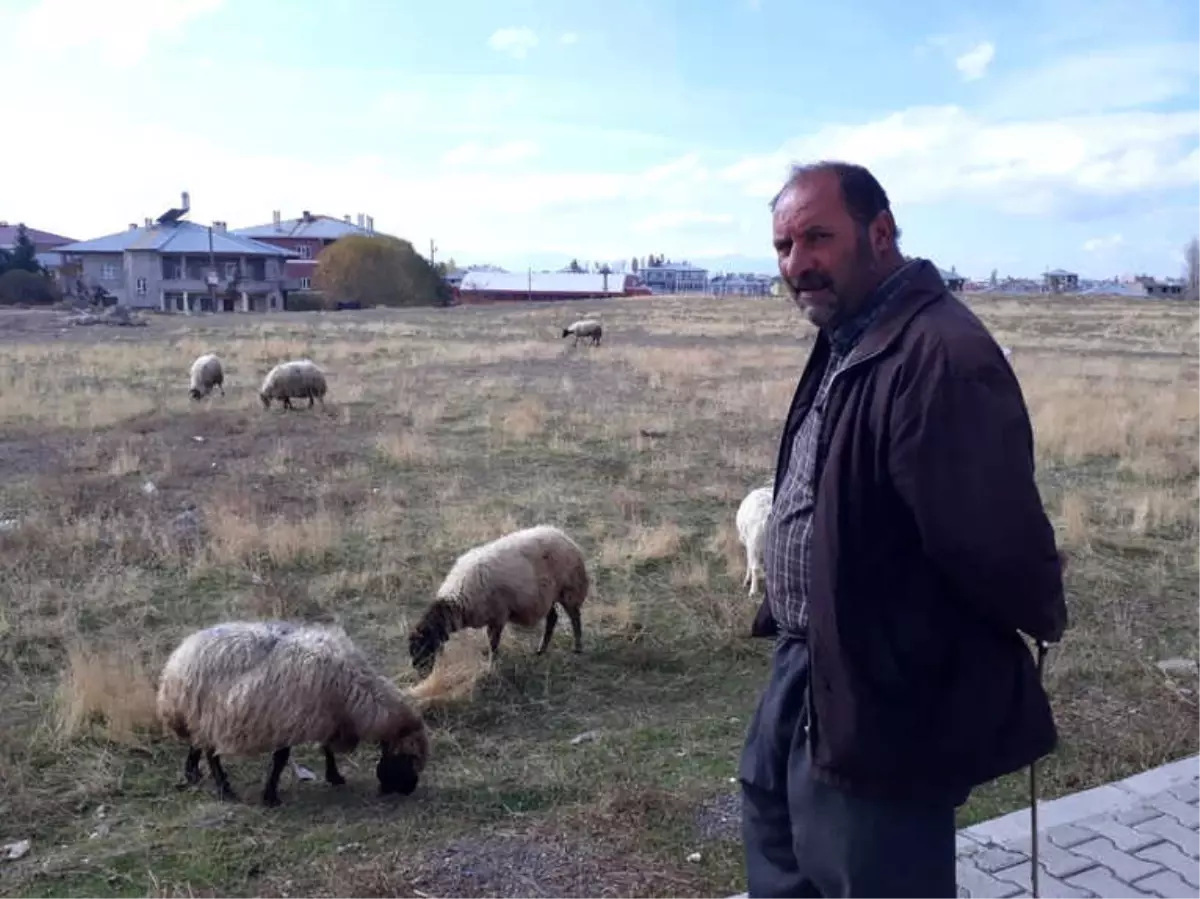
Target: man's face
{"type": "Point", "coordinates": [825, 259]}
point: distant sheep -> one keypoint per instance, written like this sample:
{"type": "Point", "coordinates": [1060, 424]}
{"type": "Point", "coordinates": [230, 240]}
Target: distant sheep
{"type": "Point", "coordinates": [515, 579]}
{"type": "Point", "coordinates": [206, 374]}
{"type": "Point", "coordinates": [297, 379]}
{"type": "Point", "coordinates": [242, 688]}
{"type": "Point", "coordinates": [751, 523]}
{"type": "Point", "coordinates": [588, 329]}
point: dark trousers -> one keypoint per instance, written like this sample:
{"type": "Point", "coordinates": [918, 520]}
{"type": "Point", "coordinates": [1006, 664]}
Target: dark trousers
{"type": "Point", "coordinates": [805, 837]}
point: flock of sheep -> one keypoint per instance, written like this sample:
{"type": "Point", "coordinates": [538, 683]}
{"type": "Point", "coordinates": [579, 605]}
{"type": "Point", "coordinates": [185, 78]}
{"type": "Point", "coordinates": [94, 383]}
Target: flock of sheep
{"type": "Point", "coordinates": [245, 687]}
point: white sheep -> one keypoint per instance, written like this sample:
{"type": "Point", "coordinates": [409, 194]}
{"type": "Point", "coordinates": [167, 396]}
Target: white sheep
{"type": "Point", "coordinates": [751, 524]}
{"type": "Point", "coordinates": [243, 687]}
{"type": "Point", "coordinates": [206, 374]}
{"type": "Point", "coordinates": [297, 379]}
{"type": "Point", "coordinates": [517, 579]}
{"type": "Point", "coordinates": [587, 328]}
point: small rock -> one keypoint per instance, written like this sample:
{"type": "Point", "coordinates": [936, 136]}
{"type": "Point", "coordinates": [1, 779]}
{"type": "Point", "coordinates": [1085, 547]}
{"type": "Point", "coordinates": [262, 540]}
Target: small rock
{"type": "Point", "coordinates": [13, 851]}
{"type": "Point", "coordinates": [101, 811]}
{"type": "Point", "coordinates": [198, 439]}
{"type": "Point", "coordinates": [302, 773]}
{"type": "Point", "coordinates": [694, 857]}
{"type": "Point", "coordinates": [586, 737]}
{"type": "Point", "coordinates": [1178, 666]}
{"type": "Point", "coordinates": [148, 488]}
{"type": "Point", "coordinates": [101, 831]}
{"type": "Point", "coordinates": [8, 524]}
{"type": "Point", "coordinates": [348, 846]}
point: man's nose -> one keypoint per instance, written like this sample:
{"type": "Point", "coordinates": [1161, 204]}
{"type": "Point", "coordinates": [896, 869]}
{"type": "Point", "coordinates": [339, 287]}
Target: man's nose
{"type": "Point", "coordinates": [795, 263]}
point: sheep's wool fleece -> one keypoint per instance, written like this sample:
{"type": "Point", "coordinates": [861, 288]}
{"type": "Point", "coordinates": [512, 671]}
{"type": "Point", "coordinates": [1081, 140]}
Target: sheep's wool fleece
{"type": "Point", "coordinates": [752, 513]}
{"type": "Point", "coordinates": [517, 578]}
{"type": "Point", "coordinates": [205, 370]}
{"type": "Point", "coordinates": [585, 327]}
{"type": "Point", "coordinates": [290, 379]}
{"type": "Point", "coordinates": [251, 687]}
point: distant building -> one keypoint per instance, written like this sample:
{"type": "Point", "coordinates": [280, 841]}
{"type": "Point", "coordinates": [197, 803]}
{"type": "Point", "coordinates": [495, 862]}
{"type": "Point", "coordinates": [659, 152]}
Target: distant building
{"type": "Point", "coordinates": [168, 264]}
{"type": "Point", "coordinates": [1060, 281]}
{"type": "Point", "coordinates": [1166, 287]}
{"type": "Point", "coordinates": [746, 285]}
{"type": "Point", "coordinates": [674, 277]}
{"type": "Point", "coordinates": [954, 281]}
{"type": "Point", "coordinates": [478, 287]}
{"type": "Point", "coordinates": [45, 243]}
{"type": "Point", "coordinates": [306, 237]}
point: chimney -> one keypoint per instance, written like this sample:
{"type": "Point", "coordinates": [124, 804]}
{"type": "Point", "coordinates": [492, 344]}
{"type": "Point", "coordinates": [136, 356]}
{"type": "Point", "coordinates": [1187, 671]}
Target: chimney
{"type": "Point", "coordinates": [275, 217]}
{"type": "Point", "coordinates": [187, 201]}
{"type": "Point", "coordinates": [346, 217]}
{"type": "Point", "coordinates": [149, 222]}
{"type": "Point", "coordinates": [362, 220]}
{"type": "Point", "coordinates": [133, 226]}
{"type": "Point", "coordinates": [306, 215]}
{"type": "Point", "coordinates": [219, 226]}
{"type": "Point", "coordinates": [371, 223]}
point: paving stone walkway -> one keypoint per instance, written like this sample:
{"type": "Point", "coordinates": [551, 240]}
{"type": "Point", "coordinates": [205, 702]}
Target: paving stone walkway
{"type": "Point", "coordinates": [1135, 837]}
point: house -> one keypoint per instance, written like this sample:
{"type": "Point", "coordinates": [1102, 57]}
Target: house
{"type": "Point", "coordinates": [306, 236]}
{"type": "Point", "coordinates": [954, 281]}
{"type": "Point", "coordinates": [489, 287]}
{"type": "Point", "coordinates": [1060, 281]}
{"type": "Point", "coordinates": [44, 242]}
{"type": "Point", "coordinates": [1165, 287]}
{"type": "Point", "coordinates": [177, 265]}
{"type": "Point", "coordinates": [745, 285]}
{"type": "Point", "coordinates": [664, 276]}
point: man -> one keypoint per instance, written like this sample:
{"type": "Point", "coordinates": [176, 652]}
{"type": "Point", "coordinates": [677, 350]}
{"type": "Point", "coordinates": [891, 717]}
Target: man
{"type": "Point", "coordinates": [906, 550]}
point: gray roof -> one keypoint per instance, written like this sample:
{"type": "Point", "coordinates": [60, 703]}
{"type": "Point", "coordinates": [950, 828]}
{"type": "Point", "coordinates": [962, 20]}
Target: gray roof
{"type": "Point", "coordinates": [673, 267]}
{"type": "Point", "coordinates": [176, 237]}
{"type": "Point", "coordinates": [1061, 273]}
{"type": "Point", "coordinates": [316, 227]}
{"type": "Point", "coordinates": [951, 276]}
{"type": "Point", "coordinates": [543, 282]}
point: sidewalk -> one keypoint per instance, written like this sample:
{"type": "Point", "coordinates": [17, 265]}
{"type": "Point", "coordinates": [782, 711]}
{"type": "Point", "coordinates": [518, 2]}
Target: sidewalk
{"type": "Point", "coordinates": [1135, 837]}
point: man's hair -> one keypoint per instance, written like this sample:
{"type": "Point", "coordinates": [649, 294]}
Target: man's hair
{"type": "Point", "coordinates": [863, 195]}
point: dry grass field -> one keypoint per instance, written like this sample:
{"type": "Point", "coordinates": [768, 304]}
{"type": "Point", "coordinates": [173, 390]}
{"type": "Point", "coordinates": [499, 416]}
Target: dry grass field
{"type": "Point", "coordinates": [445, 428]}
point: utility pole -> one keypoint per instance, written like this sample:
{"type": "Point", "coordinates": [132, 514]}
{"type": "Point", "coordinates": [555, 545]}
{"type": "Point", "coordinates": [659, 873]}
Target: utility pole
{"type": "Point", "coordinates": [212, 274]}
{"type": "Point", "coordinates": [432, 252]}
{"type": "Point", "coordinates": [529, 274]}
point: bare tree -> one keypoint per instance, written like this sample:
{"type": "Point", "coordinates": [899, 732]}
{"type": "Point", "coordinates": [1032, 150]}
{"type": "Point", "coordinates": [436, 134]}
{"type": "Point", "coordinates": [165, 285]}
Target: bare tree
{"type": "Point", "coordinates": [1191, 255]}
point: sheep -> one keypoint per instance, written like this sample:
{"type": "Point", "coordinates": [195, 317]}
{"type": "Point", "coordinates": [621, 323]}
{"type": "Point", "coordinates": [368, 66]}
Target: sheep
{"type": "Point", "coordinates": [247, 687]}
{"type": "Point", "coordinates": [206, 374]}
{"type": "Point", "coordinates": [518, 579]}
{"type": "Point", "coordinates": [587, 328]}
{"type": "Point", "coordinates": [299, 378]}
{"type": "Point", "coordinates": [751, 523]}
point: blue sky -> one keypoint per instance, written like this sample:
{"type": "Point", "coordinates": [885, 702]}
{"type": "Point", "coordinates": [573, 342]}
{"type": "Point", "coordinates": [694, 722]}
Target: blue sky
{"type": "Point", "coordinates": [1016, 136]}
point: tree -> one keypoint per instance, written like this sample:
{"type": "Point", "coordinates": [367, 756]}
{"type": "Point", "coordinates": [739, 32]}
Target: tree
{"type": "Point", "coordinates": [1191, 256]}
{"type": "Point", "coordinates": [994, 279]}
{"type": "Point", "coordinates": [379, 270]}
{"type": "Point", "coordinates": [635, 265]}
{"type": "Point", "coordinates": [18, 285]}
{"type": "Point", "coordinates": [575, 266]}
{"type": "Point", "coordinates": [24, 254]}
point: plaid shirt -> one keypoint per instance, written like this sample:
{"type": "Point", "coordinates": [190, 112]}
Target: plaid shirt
{"type": "Point", "coordinates": [787, 554]}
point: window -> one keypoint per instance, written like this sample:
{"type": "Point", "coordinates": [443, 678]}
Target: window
{"type": "Point", "coordinates": [141, 287]}
{"type": "Point", "coordinates": [231, 270]}
{"type": "Point", "coordinates": [305, 251]}
{"type": "Point", "coordinates": [305, 283]}
{"type": "Point", "coordinates": [109, 272]}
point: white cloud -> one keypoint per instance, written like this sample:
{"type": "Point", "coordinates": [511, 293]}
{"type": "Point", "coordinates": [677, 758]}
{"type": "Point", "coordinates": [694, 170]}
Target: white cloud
{"type": "Point", "coordinates": [974, 63]}
{"type": "Point", "coordinates": [1103, 244]}
{"type": "Point", "coordinates": [943, 153]}
{"type": "Point", "coordinates": [674, 219]}
{"type": "Point", "coordinates": [569, 37]}
{"type": "Point", "coordinates": [516, 42]}
{"type": "Point", "coordinates": [476, 154]}
{"type": "Point", "coordinates": [121, 32]}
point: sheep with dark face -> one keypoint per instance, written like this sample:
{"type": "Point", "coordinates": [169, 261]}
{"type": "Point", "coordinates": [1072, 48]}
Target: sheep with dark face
{"type": "Point", "coordinates": [243, 688]}
{"type": "Point", "coordinates": [586, 329]}
{"type": "Point", "coordinates": [298, 379]}
{"type": "Point", "coordinates": [517, 579]}
{"type": "Point", "coordinates": [206, 373]}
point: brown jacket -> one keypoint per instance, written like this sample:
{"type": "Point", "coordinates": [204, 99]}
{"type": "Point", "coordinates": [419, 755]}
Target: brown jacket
{"type": "Point", "coordinates": [931, 551]}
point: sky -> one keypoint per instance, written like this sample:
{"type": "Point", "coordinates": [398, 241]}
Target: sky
{"type": "Point", "coordinates": [1016, 136]}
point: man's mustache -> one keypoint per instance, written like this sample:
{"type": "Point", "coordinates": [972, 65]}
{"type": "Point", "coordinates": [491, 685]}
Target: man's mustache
{"type": "Point", "coordinates": [811, 282]}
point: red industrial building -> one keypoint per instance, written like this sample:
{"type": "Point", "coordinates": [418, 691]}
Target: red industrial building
{"type": "Point", "coordinates": [492, 287]}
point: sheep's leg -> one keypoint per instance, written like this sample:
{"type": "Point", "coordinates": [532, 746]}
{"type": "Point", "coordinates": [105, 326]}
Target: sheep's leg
{"type": "Point", "coordinates": [286, 402]}
{"type": "Point", "coordinates": [551, 620]}
{"type": "Point", "coordinates": [576, 627]}
{"type": "Point", "coordinates": [494, 632]}
{"type": "Point", "coordinates": [221, 387]}
{"type": "Point", "coordinates": [279, 761]}
{"type": "Point", "coordinates": [191, 769]}
{"type": "Point", "coordinates": [753, 581]}
{"type": "Point", "coordinates": [311, 399]}
{"type": "Point", "coordinates": [332, 775]}
{"type": "Point", "coordinates": [224, 790]}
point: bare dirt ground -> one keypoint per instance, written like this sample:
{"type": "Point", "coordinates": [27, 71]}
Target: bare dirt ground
{"type": "Point", "coordinates": [130, 516]}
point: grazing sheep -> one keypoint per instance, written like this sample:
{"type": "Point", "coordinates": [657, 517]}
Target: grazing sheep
{"type": "Point", "coordinates": [298, 379]}
{"type": "Point", "coordinates": [515, 579]}
{"type": "Point", "coordinates": [242, 688]}
{"type": "Point", "coordinates": [752, 529]}
{"type": "Point", "coordinates": [206, 374]}
{"type": "Point", "coordinates": [587, 328]}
